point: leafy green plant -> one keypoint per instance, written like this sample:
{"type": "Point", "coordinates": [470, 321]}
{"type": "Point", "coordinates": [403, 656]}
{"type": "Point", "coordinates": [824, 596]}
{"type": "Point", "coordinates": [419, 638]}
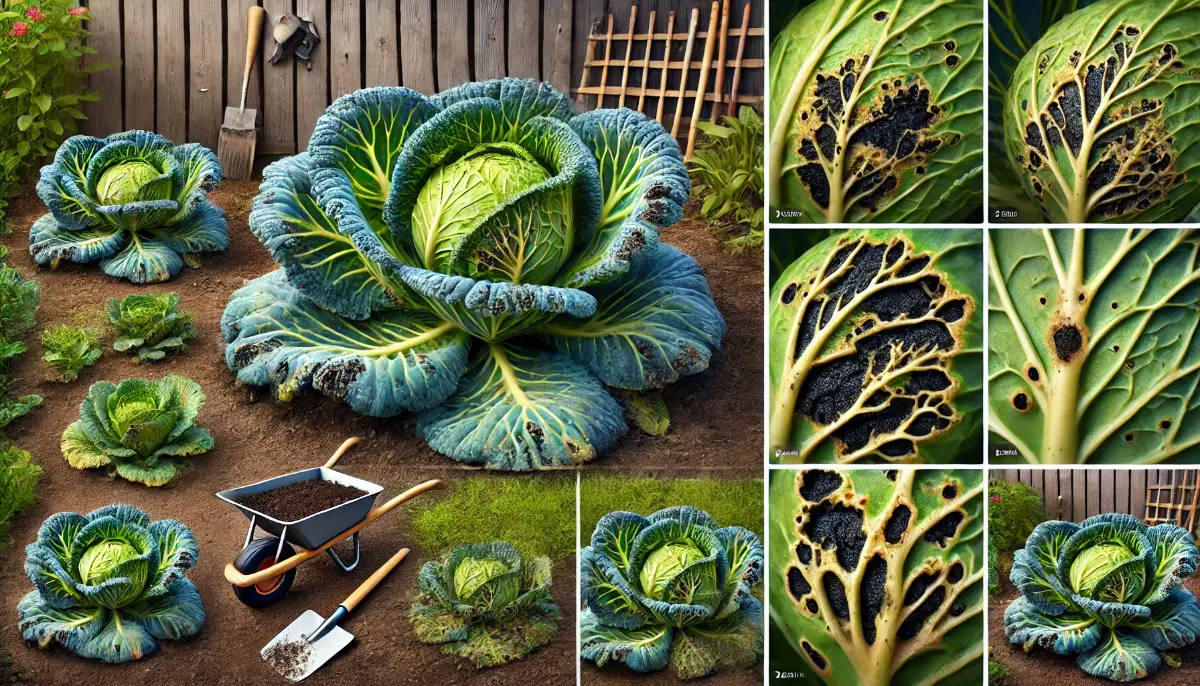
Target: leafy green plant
{"type": "Point", "coordinates": [877, 576]}
{"type": "Point", "coordinates": [997, 673]}
{"type": "Point", "coordinates": [486, 258]}
{"type": "Point", "coordinates": [1014, 509]}
{"type": "Point", "coordinates": [484, 603]}
{"type": "Point", "coordinates": [133, 201]}
{"type": "Point", "coordinates": [140, 430]}
{"type": "Point", "coordinates": [43, 83]}
{"type": "Point", "coordinates": [1107, 591]}
{"type": "Point", "coordinates": [19, 300]}
{"type": "Point", "coordinates": [672, 588]}
{"type": "Point", "coordinates": [1099, 115]}
{"type": "Point", "coordinates": [110, 584]}
{"type": "Point", "coordinates": [876, 112]}
{"type": "Point", "coordinates": [18, 479]}
{"type": "Point", "coordinates": [874, 343]}
{"type": "Point", "coordinates": [150, 325]}
{"type": "Point", "coordinates": [727, 169]}
{"type": "Point", "coordinates": [69, 349]}
{"type": "Point", "coordinates": [1090, 335]}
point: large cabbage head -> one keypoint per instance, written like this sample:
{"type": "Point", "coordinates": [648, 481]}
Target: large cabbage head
{"type": "Point", "coordinates": [1100, 115]}
{"type": "Point", "coordinates": [672, 588]}
{"type": "Point", "coordinates": [485, 603]}
{"type": "Point", "coordinates": [1108, 591]}
{"type": "Point", "coordinates": [133, 201]}
{"type": "Point", "coordinates": [110, 584]}
{"type": "Point", "coordinates": [486, 258]}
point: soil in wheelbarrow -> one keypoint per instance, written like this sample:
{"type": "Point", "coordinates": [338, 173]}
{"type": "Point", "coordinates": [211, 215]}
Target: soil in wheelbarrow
{"type": "Point", "coordinates": [1041, 667]}
{"type": "Point", "coordinates": [296, 501]}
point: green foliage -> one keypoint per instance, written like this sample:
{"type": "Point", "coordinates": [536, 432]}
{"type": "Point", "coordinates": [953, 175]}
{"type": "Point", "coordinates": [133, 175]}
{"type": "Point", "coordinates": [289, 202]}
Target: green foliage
{"type": "Point", "coordinates": [485, 603]}
{"type": "Point", "coordinates": [19, 300]}
{"type": "Point", "coordinates": [1014, 509]}
{"type": "Point", "coordinates": [726, 170]}
{"type": "Point", "coordinates": [18, 479]}
{"type": "Point", "coordinates": [997, 673]}
{"type": "Point", "coordinates": [731, 502]}
{"type": "Point", "coordinates": [150, 325]}
{"type": "Point", "coordinates": [993, 570]}
{"type": "Point", "coordinates": [140, 430]}
{"type": "Point", "coordinates": [43, 83]}
{"type": "Point", "coordinates": [1108, 591]}
{"type": "Point", "coordinates": [537, 514]}
{"type": "Point", "coordinates": [69, 349]}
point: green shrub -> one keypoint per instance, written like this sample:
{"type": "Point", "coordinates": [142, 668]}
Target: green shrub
{"type": "Point", "coordinates": [1013, 511]}
{"type": "Point", "coordinates": [18, 478]}
{"type": "Point", "coordinates": [19, 300]}
{"type": "Point", "coordinates": [727, 173]}
{"type": "Point", "coordinates": [997, 673]}
{"type": "Point", "coordinates": [69, 349]}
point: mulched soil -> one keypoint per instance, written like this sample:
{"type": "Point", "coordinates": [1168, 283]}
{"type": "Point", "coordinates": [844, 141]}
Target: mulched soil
{"type": "Point", "coordinates": [1043, 667]}
{"type": "Point", "coordinates": [299, 500]}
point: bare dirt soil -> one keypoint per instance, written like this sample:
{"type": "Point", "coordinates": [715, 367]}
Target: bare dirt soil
{"type": "Point", "coordinates": [1043, 667]}
{"type": "Point", "coordinates": [715, 425]}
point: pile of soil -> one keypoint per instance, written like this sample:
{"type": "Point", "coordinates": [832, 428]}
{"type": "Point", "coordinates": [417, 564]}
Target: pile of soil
{"type": "Point", "coordinates": [296, 501]}
{"type": "Point", "coordinates": [289, 659]}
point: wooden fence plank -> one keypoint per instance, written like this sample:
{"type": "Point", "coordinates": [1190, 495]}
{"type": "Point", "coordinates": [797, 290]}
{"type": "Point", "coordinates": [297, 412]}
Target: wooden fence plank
{"type": "Point", "coordinates": [556, 46]}
{"type": "Point", "coordinates": [139, 64]}
{"type": "Point", "coordinates": [416, 46]}
{"type": "Point", "coordinates": [1137, 492]}
{"type": "Point", "coordinates": [345, 49]}
{"type": "Point", "coordinates": [1065, 488]}
{"type": "Point", "coordinates": [1050, 484]}
{"type": "Point", "coordinates": [1093, 488]}
{"type": "Point", "coordinates": [383, 61]}
{"type": "Point", "coordinates": [453, 60]}
{"type": "Point", "coordinates": [206, 88]}
{"type": "Point", "coordinates": [523, 27]}
{"type": "Point", "coordinates": [489, 39]}
{"type": "Point", "coordinates": [104, 115]}
{"type": "Point", "coordinates": [1012, 476]}
{"type": "Point", "coordinates": [279, 104]}
{"type": "Point", "coordinates": [1079, 494]}
{"type": "Point", "coordinates": [235, 55]}
{"type": "Point", "coordinates": [171, 75]}
{"type": "Point", "coordinates": [312, 85]}
{"type": "Point", "coordinates": [1121, 490]}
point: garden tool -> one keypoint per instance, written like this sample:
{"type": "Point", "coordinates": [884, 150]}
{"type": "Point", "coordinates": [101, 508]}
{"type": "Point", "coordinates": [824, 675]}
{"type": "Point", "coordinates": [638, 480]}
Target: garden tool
{"type": "Point", "coordinates": [235, 148]}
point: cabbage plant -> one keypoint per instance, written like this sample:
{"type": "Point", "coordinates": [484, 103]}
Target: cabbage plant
{"type": "Point", "coordinates": [1099, 117]}
{"type": "Point", "coordinates": [486, 258]}
{"type": "Point", "coordinates": [133, 201]}
{"type": "Point", "coordinates": [111, 584]}
{"type": "Point", "coordinates": [150, 325]}
{"type": "Point", "coordinates": [876, 112]}
{"type": "Point", "coordinates": [875, 349]}
{"type": "Point", "coordinates": [485, 603]}
{"type": "Point", "coordinates": [1107, 591]}
{"type": "Point", "coordinates": [141, 430]}
{"type": "Point", "coordinates": [877, 577]}
{"type": "Point", "coordinates": [1091, 339]}
{"type": "Point", "coordinates": [672, 588]}
{"type": "Point", "coordinates": [68, 349]}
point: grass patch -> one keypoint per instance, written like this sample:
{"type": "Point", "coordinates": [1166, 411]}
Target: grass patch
{"type": "Point", "coordinates": [731, 503]}
{"type": "Point", "coordinates": [534, 513]}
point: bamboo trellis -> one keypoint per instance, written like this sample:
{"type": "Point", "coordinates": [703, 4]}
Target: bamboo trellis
{"type": "Point", "coordinates": [1172, 504]}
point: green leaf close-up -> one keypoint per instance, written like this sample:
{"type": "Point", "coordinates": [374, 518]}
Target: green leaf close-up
{"type": "Point", "coordinates": [1092, 348]}
{"type": "Point", "coordinates": [876, 113]}
{"type": "Point", "coordinates": [877, 577]}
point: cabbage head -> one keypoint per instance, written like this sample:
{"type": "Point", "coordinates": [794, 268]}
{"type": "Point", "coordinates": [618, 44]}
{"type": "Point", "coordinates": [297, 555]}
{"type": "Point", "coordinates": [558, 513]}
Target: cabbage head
{"type": "Point", "coordinates": [110, 584]}
{"type": "Point", "coordinates": [133, 201]}
{"type": "Point", "coordinates": [485, 603]}
{"type": "Point", "coordinates": [1108, 591]}
{"type": "Point", "coordinates": [486, 258]}
{"type": "Point", "coordinates": [672, 588]}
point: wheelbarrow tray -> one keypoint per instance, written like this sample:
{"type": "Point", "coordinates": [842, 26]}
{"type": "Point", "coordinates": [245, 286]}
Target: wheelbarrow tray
{"type": "Point", "coordinates": [318, 528]}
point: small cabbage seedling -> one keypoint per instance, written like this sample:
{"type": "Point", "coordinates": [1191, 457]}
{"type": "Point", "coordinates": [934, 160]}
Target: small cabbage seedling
{"type": "Point", "coordinates": [1107, 591]}
{"type": "Point", "coordinates": [68, 349]}
{"type": "Point", "coordinates": [150, 325]}
{"type": "Point", "coordinates": [1092, 340]}
{"type": "Point", "coordinates": [875, 344]}
{"type": "Point", "coordinates": [877, 577]}
{"type": "Point", "coordinates": [111, 584]}
{"type": "Point", "coordinates": [484, 603]}
{"type": "Point", "coordinates": [133, 201]}
{"type": "Point", "coordinates": [877, 112]}
{"type": "Point", "coordinates": [671, 589]}
{"type": "Point", "coordinates": [140, 430]}
{"type": "Point", "coordinates": [487, 258]}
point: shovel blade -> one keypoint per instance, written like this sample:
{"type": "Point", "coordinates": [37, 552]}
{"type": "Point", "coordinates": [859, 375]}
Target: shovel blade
{"type": "Point", "coordinates": [294, 657]}
{"type": "Point", "coordinates": [237, 118]}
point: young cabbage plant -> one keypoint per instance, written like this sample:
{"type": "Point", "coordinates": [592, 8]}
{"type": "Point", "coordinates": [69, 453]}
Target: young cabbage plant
{"type": "Point", "coordinates": [1092, 340]}
{"type": "Point", "coordinates": [142, 431]}
{"type": "Point", "coordinates": [110, 584]}
{"type": "Point", "coordinates": [1107, 591]}
{"type": "Point", "coordinates": [877, 112]}
{"type": "Point", "coordinates": [672, 588]}
{"type": "Point", "coordinates": [875, 349]}
{"type": "Point", "coordinates": [484, 603]}
{"type": "Point", "coordinates": [150, 325]}
{"type": "Point", "coordinates": [1099, 117]}
{"type": "Point", "coordinates": [486, 258]}
{"type": "Point", "coordinates": [877, 577]}
{"type": "Point", "coordinates": [68, 350]}
{"type": "Point", "coordinates": [133, 201]}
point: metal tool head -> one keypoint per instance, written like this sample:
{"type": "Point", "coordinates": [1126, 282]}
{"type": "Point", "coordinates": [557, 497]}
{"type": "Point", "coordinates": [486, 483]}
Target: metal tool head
{"type": "Point", "coordinates": [238, 119]}
{"type": "Point", "coordinates": [294, 657]}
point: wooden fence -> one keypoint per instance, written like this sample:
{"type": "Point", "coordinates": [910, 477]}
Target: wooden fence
{"type": "Point", "coordinates": [1075, 494]}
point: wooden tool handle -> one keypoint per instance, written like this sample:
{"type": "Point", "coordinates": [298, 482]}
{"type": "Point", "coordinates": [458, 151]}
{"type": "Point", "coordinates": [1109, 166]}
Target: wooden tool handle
{"type": "Point", "coordinates": [372, 581]}
{"type": "Point", "coordinates": [255, 18]}
{"type": "Point", "coordinates": [342, 449]}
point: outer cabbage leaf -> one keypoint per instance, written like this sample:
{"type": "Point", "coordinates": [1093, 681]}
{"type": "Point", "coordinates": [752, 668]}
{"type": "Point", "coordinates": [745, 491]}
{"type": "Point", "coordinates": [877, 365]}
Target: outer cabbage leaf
{"type": "Point", "coordinates": [1121, 657]}
{"type": "Point", "coordinates": [732, 643]}
{"type": "Point", "coordinates": [49, 243]}
{"type": "Point", "coordinates": [643, 650]}
{"type": "Point", "coordinates": [1066, 634]}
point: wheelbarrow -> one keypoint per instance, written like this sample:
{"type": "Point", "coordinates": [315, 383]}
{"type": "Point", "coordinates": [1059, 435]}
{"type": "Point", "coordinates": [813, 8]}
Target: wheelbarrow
{"type": "Point", "coordinates": [266, 567]}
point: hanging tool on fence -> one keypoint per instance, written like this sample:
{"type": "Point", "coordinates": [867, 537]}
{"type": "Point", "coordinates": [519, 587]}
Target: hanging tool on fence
{"type": "Point", "coordinates": [235, 147]}
{"type": "Point", "coordinates": [295, 36]}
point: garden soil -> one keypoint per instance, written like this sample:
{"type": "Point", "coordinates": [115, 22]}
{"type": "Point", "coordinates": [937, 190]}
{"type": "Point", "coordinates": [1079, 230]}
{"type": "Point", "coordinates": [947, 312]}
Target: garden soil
{"type": "Point", "coordinates": [1043, 667]}
{"type": "Point", "coordinates": [715, 425]}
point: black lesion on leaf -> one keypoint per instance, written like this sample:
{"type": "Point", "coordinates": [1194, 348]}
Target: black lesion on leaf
{"type": "Point", "coordinates": [955, 574]}
{"type": "Point", "coordinates": [245, 354]}
{"type": "Point", "coordinates": [897, 524]}
{"type": "Point", "coordinates": [880, 16]}
{"type": "Point", "coordinates": [817, 484]}
{"type": "Point", "coordinates": [811, 605]}
{"type": "Point", "coordinates": [798, 586]}
{"type": "Point", "coordinates": [1020, 401]}
{"type": "Point", "coordinates": [918, 586]}
{"type": "Point", "coordinates": [916, 619]}
{"type": "Point", "coordinates": [817, 659]}
{"type": "Point", "coordinates": [949, 491]}
{"type": "Point", "coordinates": [890, 474]}
{"type": "Point", "coordinates": [945, 529]}
{"type": "Point", "coordinates": [871, 594]}
{"type": "Point", "coordinates": [804, 553]}
{"type": "Point", "coordinates": [837, 527]}
{"type": "Point", "coordinates": [1068, 341]}
{"type": "Point", "coordinates": [835, 591]}
{"type": "Point", "coordinates": [1032, 373]}
{"type": "Point", "coordinates": [335, 379]}
{"type": "Point", "coordinates": [789, 294]}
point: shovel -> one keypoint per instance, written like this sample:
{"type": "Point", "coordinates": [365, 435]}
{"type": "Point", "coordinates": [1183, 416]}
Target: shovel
{"type": "Point", "coordinates": [311, 640]}
{"type": "Point", "coordinates": [235, 147]}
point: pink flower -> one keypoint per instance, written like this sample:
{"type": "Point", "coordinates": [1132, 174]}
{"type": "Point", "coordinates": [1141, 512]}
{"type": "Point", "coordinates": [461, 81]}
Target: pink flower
{"type": "Point", "coordinates": [35, 14]}
{"type": "Point", "coordinates": [19, 29]}
{"type": "Point", "coordinates": [996, 499]}
{"type": "Point", "coordinates": [76, 11]}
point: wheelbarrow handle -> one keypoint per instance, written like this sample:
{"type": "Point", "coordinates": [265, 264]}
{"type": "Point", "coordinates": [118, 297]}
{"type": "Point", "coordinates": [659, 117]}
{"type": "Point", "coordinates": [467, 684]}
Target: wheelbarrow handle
{"type": "Point", "coordinates": [342, 449]}
{"type": "Point", "coordinates": [374, 580]}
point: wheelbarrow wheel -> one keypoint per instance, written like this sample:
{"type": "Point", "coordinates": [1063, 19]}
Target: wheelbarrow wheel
{"type": "Point", "coordinates": [257, 556]}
